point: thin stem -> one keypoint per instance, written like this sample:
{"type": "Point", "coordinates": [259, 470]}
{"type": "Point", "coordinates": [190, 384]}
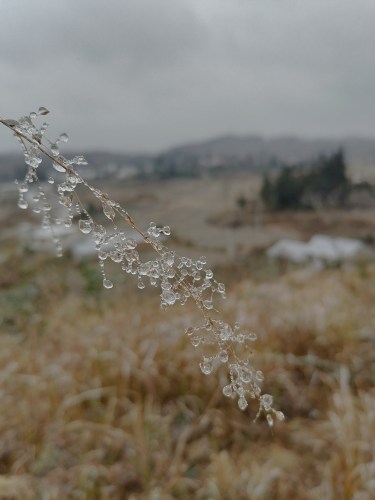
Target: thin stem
{"type": "Point", "coordinates": [182, 283]}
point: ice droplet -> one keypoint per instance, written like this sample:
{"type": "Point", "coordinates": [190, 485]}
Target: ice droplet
{"type": "Point", "coordinates": [43, 111]}
{"type": "Point", "coordinates": [245, 375]}
{"type": "Point", "coordinates": [85, 226]}
{"type": "Point", "coordinates": [168, 297]}
{"type": "Point", "coordinates": [108, 211]}
{"type": "Point", "coordinates": [59, 251]}
{"type": "Point", "coordinates": [195, 341]}
{"type": "Point", "coordinates": [206, 367]}
{"type": "Point", "coordinates": [141, 285]}
{"type": "Point", "coordinates": [223, 356]}
{"type": "Point", "coordinates": [116, 256]}
{"type": "Point", "coordinates": [55, 150]}
{"type": "Point", "coordinates": [165, 285]}
{"type": "Point", "coordinates": [102, 255]}
{"type": "Point", "coordinates": [242, 403]}
{"type": "Point", "coordinates": [22, 203]}
{"type": "Point", "coordinates": [131, 244]}
{"type": "Point", "coordinates": [228, 391]}
{"type": "Point", "coordinates": [107, 283]}
{"type": "Point", "coordinates": [66, 201]}
{"type": "Point", "coordinates": [64, 137]}
{"type": "Point", "coordinates": [267, 401]}
{"type": "Point", "coordinates": [280, 415]}
{"type": "Point", "coordinates": [99, 233]}
{"type": "Point", "coordinates": [79, 160]}
{"type": "Point", "coordinates": [58, 167]}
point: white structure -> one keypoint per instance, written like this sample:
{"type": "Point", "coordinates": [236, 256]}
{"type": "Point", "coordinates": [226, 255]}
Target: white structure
{"type": "Point", "coordinates": [319, 247]}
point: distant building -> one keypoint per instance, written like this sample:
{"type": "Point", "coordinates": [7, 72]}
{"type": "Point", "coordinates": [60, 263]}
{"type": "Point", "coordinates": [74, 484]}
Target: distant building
{"type": "Point", "coordinates": [320, 247]}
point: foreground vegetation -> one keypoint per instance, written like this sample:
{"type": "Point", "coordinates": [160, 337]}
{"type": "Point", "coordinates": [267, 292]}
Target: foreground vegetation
{"type": "Point", "coordinates": [101, 398]}
{"type": "Point", "coordinates": [100, 394]}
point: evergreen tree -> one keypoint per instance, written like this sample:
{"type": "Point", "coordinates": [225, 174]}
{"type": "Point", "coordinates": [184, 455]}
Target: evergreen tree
{"type": "Point", "coordinates": [325, 182]}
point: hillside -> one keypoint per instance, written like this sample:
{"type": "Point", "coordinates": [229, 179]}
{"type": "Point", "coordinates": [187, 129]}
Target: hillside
{"type": "Point", "coordinates": [252, 152]}
{"type": "Point", "coordinates": [360, 152]}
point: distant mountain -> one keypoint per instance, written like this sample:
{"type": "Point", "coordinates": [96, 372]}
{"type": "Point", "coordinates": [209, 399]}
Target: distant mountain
{"type": "Point", "coordinates": [250, 152]}
{"type": "Point", "coordinates": [259, 150]}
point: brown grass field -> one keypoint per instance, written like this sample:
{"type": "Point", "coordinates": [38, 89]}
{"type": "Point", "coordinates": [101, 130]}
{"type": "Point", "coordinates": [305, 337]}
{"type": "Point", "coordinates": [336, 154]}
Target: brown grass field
{"type": "Point", "coordinates": [101, 393]}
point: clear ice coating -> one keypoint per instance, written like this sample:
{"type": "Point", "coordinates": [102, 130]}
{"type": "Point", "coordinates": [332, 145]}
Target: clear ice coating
{"type": "Point", "coordinates": [223, 355]}
{"type": "Point", "coordinates": [58, 167]}
{"type": "Point", "coordinates": [55, 150]}
{"type": "Point", "coordinates": [206, 367]}
{"type": "Point", "coordinates": [108, 211]}
{"type": "Point", "coordinates": [179, 279]}
{"type": "Point", "coordinates": [64, 137]}
{"type": "Point", "coordinates": [228, 391]}
{"type": "Point", "coordinates": [242, 403]}
{"type": "Point", "coordinates": [85, 226]}
{"type": "Point", "coordinates": [107, 283]}
{"type": "Point", "coordinates": [43, 111]}
{"type": "Point", "coordinates": [22, 203]}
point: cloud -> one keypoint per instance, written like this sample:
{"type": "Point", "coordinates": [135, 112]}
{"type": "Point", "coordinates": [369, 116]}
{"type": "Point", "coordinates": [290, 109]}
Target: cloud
{"type": "Point", "coordinates": [144, 74]}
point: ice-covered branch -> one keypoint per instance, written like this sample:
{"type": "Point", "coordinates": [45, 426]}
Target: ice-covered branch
{"type": "Point", "coordinates": [178, 279]}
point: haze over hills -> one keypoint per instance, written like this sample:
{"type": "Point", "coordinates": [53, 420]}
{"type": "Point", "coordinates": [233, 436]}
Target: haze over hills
{"type": "Point", "coordinates": [253, 152]}
{"type": "Point", "coordinates": [288, 149]}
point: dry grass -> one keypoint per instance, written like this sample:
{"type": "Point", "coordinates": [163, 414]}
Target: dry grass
{"type": "Point", "coordinates": [102, 397]}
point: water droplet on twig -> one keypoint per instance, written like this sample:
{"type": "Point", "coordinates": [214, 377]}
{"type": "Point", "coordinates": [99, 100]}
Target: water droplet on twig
{"type": "Point", "coordinates": [107, 283]}
{"type": "Point", "coordinates": [43, 111]}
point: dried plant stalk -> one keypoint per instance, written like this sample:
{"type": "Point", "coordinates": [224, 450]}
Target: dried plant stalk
{"type": "Point", "coordinates": [179, 279]}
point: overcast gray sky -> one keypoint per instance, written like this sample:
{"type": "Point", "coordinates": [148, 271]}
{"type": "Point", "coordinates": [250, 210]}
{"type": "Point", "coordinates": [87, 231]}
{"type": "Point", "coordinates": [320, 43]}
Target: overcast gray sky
{"type": "Point", "coordinates": [142, 75]}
